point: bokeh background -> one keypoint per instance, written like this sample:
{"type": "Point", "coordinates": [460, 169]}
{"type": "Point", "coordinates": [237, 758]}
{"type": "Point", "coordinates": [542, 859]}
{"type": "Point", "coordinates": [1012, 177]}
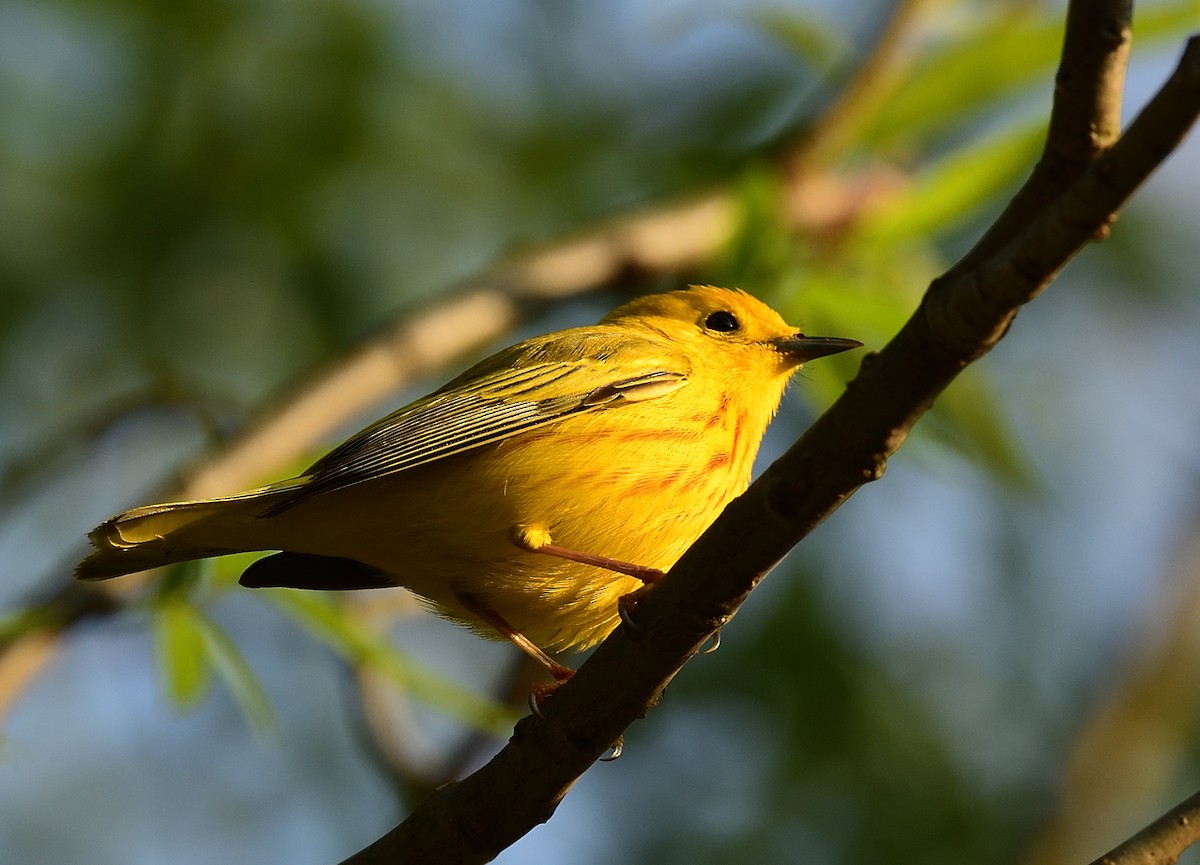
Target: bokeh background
{"type": "Point", "coordinates": [989, 656]}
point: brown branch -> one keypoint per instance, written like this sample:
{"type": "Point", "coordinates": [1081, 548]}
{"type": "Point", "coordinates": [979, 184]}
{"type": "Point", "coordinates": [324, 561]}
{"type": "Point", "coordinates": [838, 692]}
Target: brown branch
{"type": "Point", "coordinates": [962, 316]}
{"type": "Point", "coordinates": [1162, 841]}
{"type": "Point", "coordinates": [21, 664]}
{"type": "Point", "coordinates": [1085, 119]}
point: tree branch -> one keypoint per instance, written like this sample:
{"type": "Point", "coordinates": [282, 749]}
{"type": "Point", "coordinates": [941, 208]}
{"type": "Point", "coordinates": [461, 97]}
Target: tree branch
{"type": "Point", "coordinates": [961, 317]}
{"type": "Point", "coordinates": [1162, 841]}
{"type": "Point", "coordinates": [1085, 119]}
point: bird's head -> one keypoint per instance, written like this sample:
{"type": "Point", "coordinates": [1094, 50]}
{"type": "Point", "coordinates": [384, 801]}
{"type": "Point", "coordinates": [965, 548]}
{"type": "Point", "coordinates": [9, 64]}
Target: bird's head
{"type": "Point", "coordinates": [732, 329]}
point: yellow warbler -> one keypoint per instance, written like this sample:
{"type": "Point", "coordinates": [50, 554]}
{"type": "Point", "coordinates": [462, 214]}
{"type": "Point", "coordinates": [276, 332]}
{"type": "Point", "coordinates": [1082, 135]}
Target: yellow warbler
{"type": "Point", "coordinates": [530, 494]}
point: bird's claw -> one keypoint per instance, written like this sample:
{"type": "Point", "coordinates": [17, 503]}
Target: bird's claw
{"type": "Point", "coordinates": [541, 691]}
{"type": "Point", "coordinates": [618, 748]}
{"type": "Point", "coordinates": [626, 604]}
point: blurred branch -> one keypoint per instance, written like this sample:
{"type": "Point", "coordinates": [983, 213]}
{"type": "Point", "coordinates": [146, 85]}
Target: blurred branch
{"type": "Point", "coordinates": [29, 640]}
{"type": "Point", "coordinates": [872, 84]}
{"type": "Point", "coordinates": [392, 731]}
{"type": "Point", "coordinates": [811, 202]}
{"type": "Point", "coordinates": [1123, 758]}
{"type": "Point", "coordinates": [1162, 841]}
{"type": "Point", "coordinates": [963, 315]}
{"type": "Point", "coordinates": [24, 661]}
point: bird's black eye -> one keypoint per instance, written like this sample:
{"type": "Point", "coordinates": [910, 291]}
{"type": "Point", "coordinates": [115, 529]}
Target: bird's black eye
{"type": "Point", "coordinates": [722, 321]}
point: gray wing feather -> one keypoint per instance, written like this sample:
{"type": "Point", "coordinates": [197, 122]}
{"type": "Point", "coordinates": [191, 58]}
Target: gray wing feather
{"type": "Point", "coordinates": [493, 401]}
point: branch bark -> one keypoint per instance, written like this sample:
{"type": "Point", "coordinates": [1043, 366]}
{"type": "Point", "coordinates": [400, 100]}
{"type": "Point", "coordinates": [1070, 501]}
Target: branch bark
{"type": "Point", "coordinates": [963, 315]}
{"type": "Point", "coordinates": [1162, 841]}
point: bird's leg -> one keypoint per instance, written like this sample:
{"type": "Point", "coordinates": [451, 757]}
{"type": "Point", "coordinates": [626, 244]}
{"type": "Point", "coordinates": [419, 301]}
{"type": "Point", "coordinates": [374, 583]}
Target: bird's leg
{"type": "Point", "coordinates": [537, 540]}
{"type": "Point", "coordinates": [522, 642]}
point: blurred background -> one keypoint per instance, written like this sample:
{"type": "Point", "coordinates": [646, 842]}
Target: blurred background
{"type": "Point", "coordinates": [215, 212]}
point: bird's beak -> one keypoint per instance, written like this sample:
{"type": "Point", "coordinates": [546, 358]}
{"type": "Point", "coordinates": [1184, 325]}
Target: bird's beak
{"type": "Point", "coordinates": [805, 348]}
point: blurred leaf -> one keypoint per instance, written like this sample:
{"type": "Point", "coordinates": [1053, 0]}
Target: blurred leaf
{"type": "Point", "coordinates": [967, 418]}
{"type": "Point", "coordinates": [1144, 253]}
{"type": "Point", "coordinates": [231, 666]}
{"type": "Point", "coordinates": [978, 66]}
{"type": "Point", "coordinates": [870, 303]}
{"type": "Point", "coordinates": [190, 648]}
{"type": "Point", "coordinates": [948, 191]}
{"type": "Point", "coordinates": [179, 580]}
{"type": "Point", "coordinates": [813, 41]}
{"type": "Point", "coordinates": [855, 303]}
{"type": "Point", "coordinates": [867, 300]}
{"type": "Point", "coordinates": [975, 69]}
{"type": "Point", "coordinates": [24, 621]}
{"type": "Point", "coordinates": [1166, 20]}
{"type": "Point", "coordinates": [328, 619]}
{"type": "Point", "coordinates": [182, 657]}
{"type": "Point", "coordinates": [762, 244]}
{"type": "Point", "coordinates": [226, 570]}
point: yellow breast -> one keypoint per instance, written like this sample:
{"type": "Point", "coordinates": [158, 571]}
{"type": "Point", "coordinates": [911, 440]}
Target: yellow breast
{"type": "Point", "coordinates": [639, 486]}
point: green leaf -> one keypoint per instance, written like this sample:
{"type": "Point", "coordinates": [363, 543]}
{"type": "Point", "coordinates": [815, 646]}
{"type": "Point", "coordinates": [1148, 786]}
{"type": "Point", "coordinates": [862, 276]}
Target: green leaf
{"type": "Point", "coordinates": [182, 658]}
{"type": "Point", "coordinates": [986, 61]}
{"type": "Point", "coordinates": [25, 621]}
{"type": "Point", "coordinates": [1165, 20]}
{"type": "Point", "coordinates": [179, 580]}
{"type": "Point", "coordinates": [226, 570]}
{"type": "Point", "coordinates": [813, 41]}
{"type": "Point", "coordinates": [834, 301]}
{"type": "Point", "coordinates": [328, 619]}
{"type": "Point", "coordinates": [868, 296]}
{"type": "Point", "coordinates": [237, 675]}
{"type": "Point", "coordinates": [965, 418]}
{"type": "Point", "coordinates": [948, 191]}
{"type": "Point", "coordinates": [761, 244]}
{"type": "Point", "coordinates": [980, 64]}
{"type": "Point", "coordinates": [190, 648]}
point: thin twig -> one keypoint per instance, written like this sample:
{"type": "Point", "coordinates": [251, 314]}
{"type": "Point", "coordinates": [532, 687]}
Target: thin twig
{"type": "Point", "coordinates": [875, 80]}
{"type": "Point", "coordinates": [1162, 842]}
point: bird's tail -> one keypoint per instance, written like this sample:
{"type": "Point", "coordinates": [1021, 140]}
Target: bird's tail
{"type": "Point", "coordinates": [158, 535]}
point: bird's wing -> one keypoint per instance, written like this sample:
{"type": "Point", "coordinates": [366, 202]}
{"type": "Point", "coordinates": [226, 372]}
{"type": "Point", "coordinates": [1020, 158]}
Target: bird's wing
{"type": "Point", "coordinates": [514, 391]}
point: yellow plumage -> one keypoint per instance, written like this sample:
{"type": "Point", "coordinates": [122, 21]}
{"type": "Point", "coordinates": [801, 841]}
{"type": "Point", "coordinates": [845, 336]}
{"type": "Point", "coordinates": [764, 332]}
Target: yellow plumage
{"type": "Point", "coordinates": [623, 440]}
